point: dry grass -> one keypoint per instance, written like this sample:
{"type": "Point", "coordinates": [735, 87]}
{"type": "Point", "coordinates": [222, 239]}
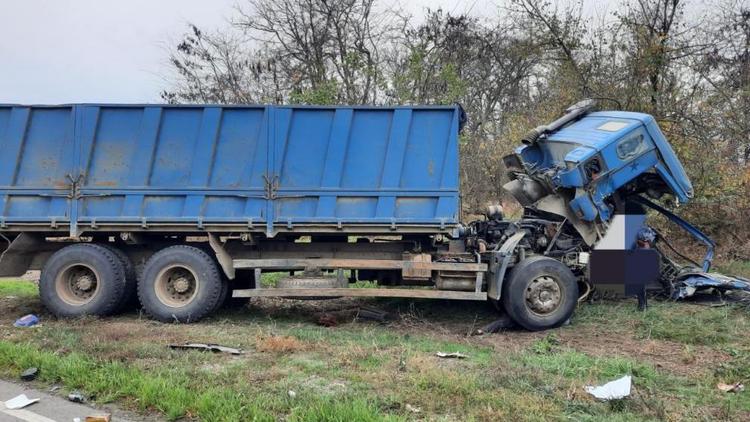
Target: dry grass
{"type": "Point", "coordinates": [278, 344]}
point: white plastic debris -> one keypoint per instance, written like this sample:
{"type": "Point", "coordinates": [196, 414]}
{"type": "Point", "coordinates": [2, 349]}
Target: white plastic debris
{"type": "Point", "coordinates": [19, 402]}
{"type": "Point", "coordinates": [291, 394]}
{"type": "Point", "coordinates": [613, 390]}
{"type": "Point", "coordinates": [413, 409]}
{"type": "Point", "coordinates": [454, 355]}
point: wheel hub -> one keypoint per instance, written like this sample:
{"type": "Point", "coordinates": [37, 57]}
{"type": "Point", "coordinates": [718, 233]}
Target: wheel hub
{"type": "Point", "coordinates": [543, 295]}
{"type": "Point", "coordinates": [176, 286]}
{"type": "Point", "coordinates": [77, 284]}
{"type": "Point", "coordinates": [84, 282]}
{"type": "Point", "coordinates": [181, 285]}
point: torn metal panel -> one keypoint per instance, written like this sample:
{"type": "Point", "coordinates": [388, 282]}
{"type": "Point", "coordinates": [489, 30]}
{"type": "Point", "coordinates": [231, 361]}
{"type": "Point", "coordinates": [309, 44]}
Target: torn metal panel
{"type": "Point", "coordinates": [687, 284]}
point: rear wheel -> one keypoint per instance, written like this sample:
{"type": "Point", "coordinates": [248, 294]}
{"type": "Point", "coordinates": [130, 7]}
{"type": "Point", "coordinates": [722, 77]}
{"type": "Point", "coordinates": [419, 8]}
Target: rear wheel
{"type": "Point", "coordinates": [180, 284]}
{"type": "Point", "coordinates": [130, 297]}
{"type": "Point", "coordinates": [83, 279]}
{"type": "Point", "coordinates": [540, 293]}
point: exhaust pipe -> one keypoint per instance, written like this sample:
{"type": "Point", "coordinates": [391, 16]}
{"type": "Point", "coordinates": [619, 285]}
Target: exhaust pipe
{"type": "Point", "coordinates": [572, 113]}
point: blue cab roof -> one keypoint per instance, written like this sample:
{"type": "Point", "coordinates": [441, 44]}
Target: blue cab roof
{"type": "Point", "coordinates": [599, 129]}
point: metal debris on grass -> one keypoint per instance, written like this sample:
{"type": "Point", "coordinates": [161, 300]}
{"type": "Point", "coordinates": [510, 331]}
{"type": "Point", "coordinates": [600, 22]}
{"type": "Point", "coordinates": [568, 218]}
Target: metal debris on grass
{"type": "Point", "coordinates": [730, 388]}
{"type": "Point", "coordinates": [76, 397]}
{"type": "Point", "coordinates": [613, 390]}
{"type": "Point", "coordinates": [207, 347]}
{"type": "Point", "coordinates": [454, 355]}
{"type": "Point", "coordinates": [29, 374]}
{"type": "Point", "coordinates": [687, 284]}
{"type": "Point", "coordinates": [373, 314]}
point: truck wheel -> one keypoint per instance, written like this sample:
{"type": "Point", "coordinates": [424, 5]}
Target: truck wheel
{"type": "Point", "coordinates": [541, 293]}
{"type": "Point", "coordinates": [130, 298]}
{"type": "Point", "coordinates": [180, 283]}
{"type": "Point", "coordinates": [243, 280]}
{"type": "Point", "coordinates": [82, 279]}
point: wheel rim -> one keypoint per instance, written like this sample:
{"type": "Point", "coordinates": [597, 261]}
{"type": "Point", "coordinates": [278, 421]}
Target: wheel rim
{"type": "Point", "coordinates": [176, 286]}
{"type": "Point", "coordinates": [77, 284]}
{"type": "Point", "coordinates": [543, 295]}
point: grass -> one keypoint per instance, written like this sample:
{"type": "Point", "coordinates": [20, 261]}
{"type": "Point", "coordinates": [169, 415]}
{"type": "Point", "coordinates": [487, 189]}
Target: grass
{"type": "Point", "coordinates": [298, 371]}
{"type": "Point", "coordinates": [17, 288]}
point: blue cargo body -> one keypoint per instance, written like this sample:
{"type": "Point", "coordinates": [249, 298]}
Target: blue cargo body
{"type": "Point", "coordinates": [96, 168]}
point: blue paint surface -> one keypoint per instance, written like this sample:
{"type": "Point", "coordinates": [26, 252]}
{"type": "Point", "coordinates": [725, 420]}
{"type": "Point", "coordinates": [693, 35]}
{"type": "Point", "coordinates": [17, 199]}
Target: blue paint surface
{"type": "Point", "coordinates": [269, 167]}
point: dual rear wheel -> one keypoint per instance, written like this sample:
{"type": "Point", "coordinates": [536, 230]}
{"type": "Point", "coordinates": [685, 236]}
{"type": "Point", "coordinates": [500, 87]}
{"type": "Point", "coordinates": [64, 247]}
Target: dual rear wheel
{"type": "Point", "coordinates": [177, 284]}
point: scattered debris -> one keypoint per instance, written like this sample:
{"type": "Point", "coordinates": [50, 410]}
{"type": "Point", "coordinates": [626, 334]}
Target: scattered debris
{"type": "Point", "coordinates": [97, 418]}
{"type": "Point", "coordinates": [291, 394]}
{"type": "Point", "coordinates": [730, 388]}
{"type": "Point", "coordinates": [373, 314]}
{"type": "Point", "coordinates": [413, 409]}
{"type": "Point", "coordinates": [76, 397]}
{"type": "Point", "coordinates": [29, 320]}
{"type": "Point", "coordinates": [613, 390]}
{"type": "Point", "coordinates": [687, 284]}
{"type": "Point", "coordinates": [30, 374]}
{"type": "Point", "coordinates": [503, 323]}
{"type": "Point", "coordinates": [208, 347]}
{"type": "Point", "coordinates": [454, 355]}
{"type": "Point", "coordinates": [54, 388]}
{"type": "Point", "coordinates": [19, 402]}
{"type": "Point", "coordinates": [327, 320]}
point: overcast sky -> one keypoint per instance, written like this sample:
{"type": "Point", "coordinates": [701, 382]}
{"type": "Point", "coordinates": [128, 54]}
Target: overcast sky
{"type": "Point", "coordinates": [64, 51]}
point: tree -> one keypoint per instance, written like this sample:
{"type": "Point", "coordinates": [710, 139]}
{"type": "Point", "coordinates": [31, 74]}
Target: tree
{"type": "Point", "coordinates": [329, 48]}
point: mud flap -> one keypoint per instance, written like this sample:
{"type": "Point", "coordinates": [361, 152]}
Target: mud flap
{"type": "Point", "coordinates": [17, 256]}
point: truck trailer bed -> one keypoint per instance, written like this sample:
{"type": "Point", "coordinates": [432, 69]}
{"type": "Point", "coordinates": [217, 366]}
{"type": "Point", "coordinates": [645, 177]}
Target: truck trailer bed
{"type": "Point", "coordinates": [88, 168]}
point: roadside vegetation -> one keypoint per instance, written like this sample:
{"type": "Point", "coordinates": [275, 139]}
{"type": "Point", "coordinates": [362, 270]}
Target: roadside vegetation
{"type": "Point", "coordinates": [297, 370]}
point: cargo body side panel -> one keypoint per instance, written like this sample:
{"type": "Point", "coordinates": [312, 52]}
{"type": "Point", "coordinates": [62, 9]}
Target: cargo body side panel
{"type": "Point", "coordinates": [366, 166]}
{"type": "Point", "coordinates": [108, 168]}
{"type": "Point", "coordinates": [156, 166]}
{"type": "Point", "coordinates": [37, 146]}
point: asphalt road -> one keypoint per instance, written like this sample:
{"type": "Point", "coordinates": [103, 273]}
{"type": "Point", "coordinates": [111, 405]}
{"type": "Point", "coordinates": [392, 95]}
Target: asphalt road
{"type": "Point", "coordinates": [50, 408]}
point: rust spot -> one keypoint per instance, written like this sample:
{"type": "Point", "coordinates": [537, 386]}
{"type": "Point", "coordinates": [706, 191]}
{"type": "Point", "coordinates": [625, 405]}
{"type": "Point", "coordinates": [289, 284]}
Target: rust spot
{"type": "Point", "coordinates": [431, 168]}
{"type": "Point", "coordinates": [107, 183]}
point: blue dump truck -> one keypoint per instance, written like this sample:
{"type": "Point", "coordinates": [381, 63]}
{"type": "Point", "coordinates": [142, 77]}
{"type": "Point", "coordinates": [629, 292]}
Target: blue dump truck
{"type": "Point", "coordinates": [180, 207]}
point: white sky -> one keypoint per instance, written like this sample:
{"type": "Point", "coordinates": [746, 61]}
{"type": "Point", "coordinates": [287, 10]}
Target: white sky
{"type": "Point", "coordinates": [65, 51]}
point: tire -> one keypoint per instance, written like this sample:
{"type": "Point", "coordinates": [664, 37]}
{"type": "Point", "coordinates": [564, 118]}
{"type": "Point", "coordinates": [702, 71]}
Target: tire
{"type": "Point", "coordinates": [130, 298]}
{"type": "Point", "coordinates": [180, 284]}
{"type": "Point", "coordinates": [83, 279]}
{"type": "Point", "coordinates": [243, 280]}
{"type": "Point", "coordinates": [540, 293]}
{"type": "Point", "coordinates": [225, 293]}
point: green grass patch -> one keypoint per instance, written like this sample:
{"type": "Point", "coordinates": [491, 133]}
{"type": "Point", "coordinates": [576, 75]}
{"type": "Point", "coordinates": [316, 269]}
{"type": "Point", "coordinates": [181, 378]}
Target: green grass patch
{"type": "Point", "coordinates": [173, 392]}
{"type": "Point", "coordinates": [18, 288]}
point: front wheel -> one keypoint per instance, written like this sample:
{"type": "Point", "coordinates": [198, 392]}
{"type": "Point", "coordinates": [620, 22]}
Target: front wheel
{"type": "Point", "coordinates": [540, 293]}
{"type": "Point", "coordinates": [180, 284]}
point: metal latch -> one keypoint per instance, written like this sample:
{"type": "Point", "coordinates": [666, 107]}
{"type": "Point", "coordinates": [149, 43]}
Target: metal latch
{"type": "Point", "coordinates": [271, 185]}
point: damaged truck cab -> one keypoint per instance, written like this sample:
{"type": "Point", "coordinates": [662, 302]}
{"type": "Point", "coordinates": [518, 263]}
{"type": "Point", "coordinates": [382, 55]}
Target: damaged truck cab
{"type": "Point", "coordinates": [575, 179]}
